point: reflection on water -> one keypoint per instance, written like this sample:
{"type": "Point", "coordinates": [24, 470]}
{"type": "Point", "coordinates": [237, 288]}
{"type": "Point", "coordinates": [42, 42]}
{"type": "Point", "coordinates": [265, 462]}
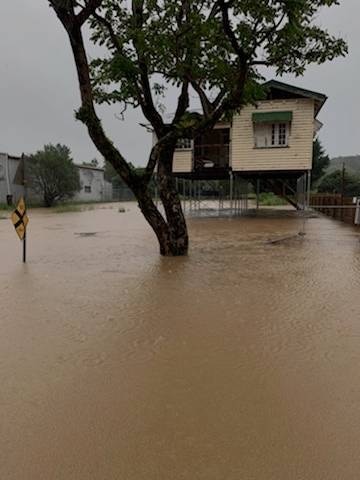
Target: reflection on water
{"type": "Point", "coordinates": [240, 361]}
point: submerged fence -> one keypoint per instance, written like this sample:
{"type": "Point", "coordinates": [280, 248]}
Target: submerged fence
{"type": "Point", "coordinates": [335, 206]}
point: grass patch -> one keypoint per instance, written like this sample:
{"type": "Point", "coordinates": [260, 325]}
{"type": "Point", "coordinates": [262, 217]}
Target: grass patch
{"type": "Point", "coordinates": [270, 199]}
{"type": "Point", "coordinates": [57, 208]}
{"type": "Point", "coordinates": [6, 207]}
{"type": "Point", "coordinates": [66, 208]}
{"type": "Point", "coordinates": [72, 207]}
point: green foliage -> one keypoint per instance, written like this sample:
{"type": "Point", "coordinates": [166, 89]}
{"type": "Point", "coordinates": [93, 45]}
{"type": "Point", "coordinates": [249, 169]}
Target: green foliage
{"type": "Point", "coordinates": [351, 163]}
{"type": "Point", "coordinates": [93, 163]}
{"type": "Point", "coordinates": [5, 206]}
{"type": "Point", "coordinates": [270, 199]}
{"type": "Point", "coordinates": [111, 175]}
{"type": "Point", "coordinates": [169, 41]}
{"type": "Point", "coordinates": [335, 182]}
{"type": "Point", "coordinates": [52, 174]}
{"type": "Point", "coordinates": [321, 162]}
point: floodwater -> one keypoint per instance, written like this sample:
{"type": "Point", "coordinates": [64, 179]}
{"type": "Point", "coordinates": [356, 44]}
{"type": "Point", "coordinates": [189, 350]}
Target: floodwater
{"type": "Point", "coordinates": [240, 361]}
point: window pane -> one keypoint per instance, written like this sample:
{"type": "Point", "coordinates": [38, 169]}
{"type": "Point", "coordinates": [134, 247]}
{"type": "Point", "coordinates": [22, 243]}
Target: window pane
{"type": "Point", "coordinates": [282, 133]}
{"type": "Point", "coordinates": [273, 134]}
{"type": "Point", "coordinates": [183, 143]}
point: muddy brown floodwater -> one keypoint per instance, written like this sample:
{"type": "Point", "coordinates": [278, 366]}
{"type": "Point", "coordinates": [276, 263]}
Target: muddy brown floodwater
{"type": "Point", "coordinates": [240, 361]}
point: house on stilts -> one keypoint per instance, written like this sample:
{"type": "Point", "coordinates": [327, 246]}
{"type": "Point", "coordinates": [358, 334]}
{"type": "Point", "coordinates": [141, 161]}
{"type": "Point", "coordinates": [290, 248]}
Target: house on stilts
{"type": "Point", "coordinates": [269, 142]}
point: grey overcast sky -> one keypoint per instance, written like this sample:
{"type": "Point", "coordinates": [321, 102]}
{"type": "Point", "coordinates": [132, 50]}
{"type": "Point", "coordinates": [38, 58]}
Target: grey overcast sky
{"type": "Point", "coordinates": [39, 93]}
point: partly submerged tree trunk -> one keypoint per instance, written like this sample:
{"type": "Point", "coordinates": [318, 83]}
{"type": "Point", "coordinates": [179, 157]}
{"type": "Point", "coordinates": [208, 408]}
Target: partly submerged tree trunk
{"type": "Point", "coordinates": [170, 231]}
{"type": "Point", "coordinates": [170, 242]}
{"type": "Point", "coordinates": [177, 230]}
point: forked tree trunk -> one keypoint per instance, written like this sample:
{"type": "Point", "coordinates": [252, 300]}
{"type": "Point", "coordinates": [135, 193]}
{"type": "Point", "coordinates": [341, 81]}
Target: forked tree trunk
{"type": "Point", "coordinates": [155, 220]}
{"type": "Point", "coordinates": [177, 230]}
{"type": "Point", "coordinates": [170, 231]}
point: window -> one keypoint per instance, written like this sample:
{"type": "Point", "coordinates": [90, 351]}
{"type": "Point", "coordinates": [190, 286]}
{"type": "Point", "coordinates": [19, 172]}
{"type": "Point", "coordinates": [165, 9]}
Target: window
{"type": "Point", "coordinates": [184, 143]}
{"type": "Point", "coordinates": [211, 149]}
{"type": "Point", "coordinates": [278, 135]}
{"type": "Point", "coordinates": [271, 135]}
{"type": "Point", "coordinates": [87, 189]}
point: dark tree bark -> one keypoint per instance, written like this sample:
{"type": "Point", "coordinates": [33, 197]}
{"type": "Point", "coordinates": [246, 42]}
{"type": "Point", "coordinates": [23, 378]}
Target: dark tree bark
{"type": "Point", "coordinates": [170, 231]}
{"type": "Point", "coordinates": [178, 240]}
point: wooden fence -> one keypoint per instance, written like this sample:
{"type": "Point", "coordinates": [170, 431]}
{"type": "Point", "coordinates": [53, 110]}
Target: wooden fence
{"type": "Point", "coordinates": [335, 206]}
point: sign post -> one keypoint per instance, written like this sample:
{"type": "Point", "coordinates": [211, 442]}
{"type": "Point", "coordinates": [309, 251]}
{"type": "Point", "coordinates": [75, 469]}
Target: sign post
{"type": "Point", "coordinates": [20, 221]}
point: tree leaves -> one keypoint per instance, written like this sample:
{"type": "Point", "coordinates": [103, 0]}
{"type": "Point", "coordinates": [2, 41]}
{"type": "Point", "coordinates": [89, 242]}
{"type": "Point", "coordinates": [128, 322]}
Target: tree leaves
{"type": "Point", "coordinates": [186, 39]}
{"type": "Point", "coordinates": [52, 173]}
{"type": "Point", "coordinates": [320, 161]}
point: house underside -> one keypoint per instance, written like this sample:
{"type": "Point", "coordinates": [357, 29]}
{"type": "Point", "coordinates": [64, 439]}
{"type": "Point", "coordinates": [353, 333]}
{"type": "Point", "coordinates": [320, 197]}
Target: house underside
{"type": "Point", "coordinates": [230, 193]}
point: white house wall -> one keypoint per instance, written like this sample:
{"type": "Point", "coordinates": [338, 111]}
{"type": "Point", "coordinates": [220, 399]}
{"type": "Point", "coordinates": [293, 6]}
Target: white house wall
{"type": "Point", "coordinates": [298, 154]}
{"type": "Point", "coordinates": [8, 167]}
{"type": "Point", "coordinates": [182, 161]}
{"type": "Point", "coordinates": [93, 179]}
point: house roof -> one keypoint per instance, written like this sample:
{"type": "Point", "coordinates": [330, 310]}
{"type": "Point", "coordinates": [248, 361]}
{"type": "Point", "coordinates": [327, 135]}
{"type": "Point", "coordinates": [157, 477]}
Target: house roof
{"type": "Point", "coordinates": [10, 157]}
{"type": "Point", "coordinates": [278, 89]}
{"type": "Point", "coordinates": [89, 167]}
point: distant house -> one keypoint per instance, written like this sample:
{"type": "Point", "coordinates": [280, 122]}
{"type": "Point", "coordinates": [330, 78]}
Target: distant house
{"type": "Point", "coordinates": [8, 168]}
{"type": "Point", "coordinates": [94, 187]}
{"type": "Point", "coordinates": [274, 137]}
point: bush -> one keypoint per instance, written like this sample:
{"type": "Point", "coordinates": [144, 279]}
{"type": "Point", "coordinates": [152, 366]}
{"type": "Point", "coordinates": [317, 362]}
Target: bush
{"type": "Point", "coordinates": [270, 199]}
{"type": "Point", "coordinates": [52, 174]}
{"type": "Point", "coordinates": [335, 183]}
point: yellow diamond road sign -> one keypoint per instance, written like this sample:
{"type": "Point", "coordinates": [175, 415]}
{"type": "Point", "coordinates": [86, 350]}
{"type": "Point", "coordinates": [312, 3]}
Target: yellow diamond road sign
{"type": "Point", "coordinates": [20, 219]}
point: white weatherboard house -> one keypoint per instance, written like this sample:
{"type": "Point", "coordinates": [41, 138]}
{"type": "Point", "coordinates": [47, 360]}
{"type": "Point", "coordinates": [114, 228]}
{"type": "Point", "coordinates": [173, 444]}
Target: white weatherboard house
{"type": "Point", "coordinates": [8, 168]}
{"type": "Point", "coordinates": [271, 139]}
{"type": "Point", "coordinates": [94, 188]}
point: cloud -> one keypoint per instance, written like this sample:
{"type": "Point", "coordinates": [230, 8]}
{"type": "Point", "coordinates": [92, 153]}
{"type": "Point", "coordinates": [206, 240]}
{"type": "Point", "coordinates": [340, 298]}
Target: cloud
{"type": "Point", "coordinates": [39, 93]}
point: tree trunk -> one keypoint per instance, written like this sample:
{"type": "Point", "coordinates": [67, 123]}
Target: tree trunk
{"type": "Point", "coordinates": [177, 230]}
{"type": "Point", "coordinates": [170, 229]}
{"type": "Point", "coordinates": [48, 199]}
{"type": "Point", "coordinates": [155, 220]}
{"type": "Point", "coordinates": [172, 232]}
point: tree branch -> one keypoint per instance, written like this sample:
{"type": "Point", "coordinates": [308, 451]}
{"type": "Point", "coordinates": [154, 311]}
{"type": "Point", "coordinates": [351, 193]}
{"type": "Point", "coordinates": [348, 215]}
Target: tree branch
{"type": "Point", "coordinates": [260, 62]}
{"type": "Point", "coordinates": [183, 102]}
{"type": "Point", "coordinates": [119, 50]}
{"type": "Point", "coordinates": [224, 8]}
{"type": "Point", "coordinates": [226, 103]}
{"type": "Point", "coordinates": [156, 153]}
{"type": "Point", "coordinates": [205, 102]}
{"type": "Point", "coordinates": [148, 106]}
{"type": "Point", "coordinates": [219, 97]}
{"type": "Point", "coordinates": [267, 33]}
{"type": "Point", "coordinates": [87, 113]}
{"type": "Point", "coordinates": [88, 10]}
